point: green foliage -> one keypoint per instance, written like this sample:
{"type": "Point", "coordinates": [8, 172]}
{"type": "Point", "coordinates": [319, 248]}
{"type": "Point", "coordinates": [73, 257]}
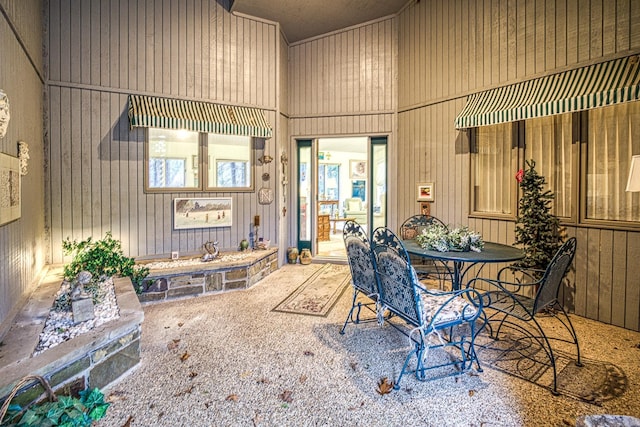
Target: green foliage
{"type": "Point", "coordinates": [67, 411]}
{"type": "Point", "coordinates": [101, 258]}
{"type": "Point", "coordinates": [440, 238]}
{"type": "Point", "coordinates": [537, 229]}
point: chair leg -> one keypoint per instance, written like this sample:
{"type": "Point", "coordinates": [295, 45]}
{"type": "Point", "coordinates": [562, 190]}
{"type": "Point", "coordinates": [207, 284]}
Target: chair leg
{"type": "Point", "coordinates": [350, 314]}
{"type": "Point", "coordinates": [549, 352]}
{"type": "Point", "coordinates": [396, 385]}
{"type": "Point", "coordinates": [572, 331]}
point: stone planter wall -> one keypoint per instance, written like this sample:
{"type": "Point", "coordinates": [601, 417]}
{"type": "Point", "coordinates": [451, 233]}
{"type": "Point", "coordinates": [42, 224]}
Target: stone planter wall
{"type": "Point", "coordinates": [94, 359]}
{"type": "Point", "coordinates": [209, 277]}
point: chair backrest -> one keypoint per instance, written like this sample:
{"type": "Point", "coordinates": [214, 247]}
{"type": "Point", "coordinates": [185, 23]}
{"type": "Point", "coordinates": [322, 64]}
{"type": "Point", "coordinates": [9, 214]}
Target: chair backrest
{"type": "Point", "coordinates": [414, 225]}
{"type": "Point", "coordinates": [361, 258]}
{"type": "Point", "coordinates": [396, 277]}
{"type": "Point", "coordinates": [550, 283]}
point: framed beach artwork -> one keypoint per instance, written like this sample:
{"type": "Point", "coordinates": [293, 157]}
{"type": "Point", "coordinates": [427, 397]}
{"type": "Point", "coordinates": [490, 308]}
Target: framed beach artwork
{"type": "Point", "coordinates": [426, 192]}
{"type": "Point", "coordinates": [9, 188]}
{"type": "Point", "coordinates": [198, 212]}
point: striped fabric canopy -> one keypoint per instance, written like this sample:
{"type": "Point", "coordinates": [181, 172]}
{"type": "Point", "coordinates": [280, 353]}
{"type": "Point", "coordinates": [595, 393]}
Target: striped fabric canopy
{"type": "Point", "coordinates": [598, 85]}
{"type": "Point", "coordinates": [148, 111]}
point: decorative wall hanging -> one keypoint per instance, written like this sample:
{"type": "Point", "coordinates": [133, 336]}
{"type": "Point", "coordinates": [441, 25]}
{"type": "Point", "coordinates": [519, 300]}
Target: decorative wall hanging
{"type": "Point", "coordinates": [202, 212]}
{"type": "Point", "coordinates": [357, 169]}
{"type": "Point", "coordinates": [9, 188]}
{"type": "Point", "coordinates": [23, 155]}
{"type": "Point", "coordinates": [4, 113]}
{"type": "Point", "coordinates": [426, 192]}
{"type": "Point", "coordinates": [265, 194]}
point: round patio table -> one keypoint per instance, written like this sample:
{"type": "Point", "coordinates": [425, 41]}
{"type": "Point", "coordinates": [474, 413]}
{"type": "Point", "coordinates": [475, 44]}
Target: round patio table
{"type": "Point", "coordinates": [463, 261]}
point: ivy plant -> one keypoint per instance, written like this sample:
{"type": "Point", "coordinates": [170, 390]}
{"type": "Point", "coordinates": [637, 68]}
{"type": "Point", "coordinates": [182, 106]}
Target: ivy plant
{"type": "Point", "coordinates": [66, 411]}
{"type": "Point", "coordinates": [102, 258]}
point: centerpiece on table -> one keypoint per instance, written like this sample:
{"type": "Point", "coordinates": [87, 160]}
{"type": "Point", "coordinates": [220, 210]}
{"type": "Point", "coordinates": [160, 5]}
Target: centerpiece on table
{"type": "Point", "coordinates": [442, 239]}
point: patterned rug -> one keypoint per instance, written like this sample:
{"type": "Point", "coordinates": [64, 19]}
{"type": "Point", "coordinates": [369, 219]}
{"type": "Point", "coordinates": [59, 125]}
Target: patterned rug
{"type": "Point", "coordinates": [317, 295]}
{"type": "Point", "coordinates": [595, 382]}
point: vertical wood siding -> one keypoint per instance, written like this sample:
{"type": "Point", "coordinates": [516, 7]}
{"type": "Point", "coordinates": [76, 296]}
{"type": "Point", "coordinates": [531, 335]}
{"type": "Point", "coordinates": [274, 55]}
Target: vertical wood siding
{"type": "Point", "coordinates": [99, 51]}
{"type": "Point", "coordinates": [22, 242]}
{"type": "Point", "coordinates": [447, 50]}
{"type": "Point", "coordinates": [343, 84]}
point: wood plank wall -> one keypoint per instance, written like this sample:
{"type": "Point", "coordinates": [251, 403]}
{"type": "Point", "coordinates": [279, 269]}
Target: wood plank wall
{"type": "Point", "coordinates": [100, 51]}
{"type": "Point", "coordinates": [345, 83]}
{"type": "Point", "coordinates": [449, 49]}
{"type": "Point", "coordinates": [22, 242]}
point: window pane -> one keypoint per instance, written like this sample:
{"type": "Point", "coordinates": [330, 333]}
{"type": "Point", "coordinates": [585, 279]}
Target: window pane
{"type": "Point", "coordinates": [173, 158]}
{"type": "Point", "coordinates": [229, 159]}
{"type": "Point", "coordinates": [614, 136]}
{"type": "Point", "coordinates": [548, 142]}
{"type": "Point", "coordinates": [492, 173]}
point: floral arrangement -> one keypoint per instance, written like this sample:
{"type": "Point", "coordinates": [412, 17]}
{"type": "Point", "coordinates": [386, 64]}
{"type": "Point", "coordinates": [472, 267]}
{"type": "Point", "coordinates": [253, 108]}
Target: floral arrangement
{"type": "Point", "coordinates": [441, 239]}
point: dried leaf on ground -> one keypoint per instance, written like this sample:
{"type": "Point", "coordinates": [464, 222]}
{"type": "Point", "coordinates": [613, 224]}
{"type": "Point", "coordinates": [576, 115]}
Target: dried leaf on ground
{"type": "Point", "coordinates": [302, 378]}
{"type": "Point", "coordinates": [286, 396]}
{"type": "Point", "coordinates": [180, 324]}
{"type": "Point", "coordinates": [192, 375]}
{"type": "Point", "coordinates": [116, 395]}
{"type": "Point", "coordinates": [128, 422]}
{"type": "Point", "coordinates": [385, 386]}
{"type": "Point", "coordinates": [353, 365]}
{"type": "Point", "coordinates": [188, 390]}
{"type": "Point", "coordinates": [173, 344]}
{"type": "Point", "coordinates": [308, 353]}
{"type": "Point", "coordinates": [184, 356]}
{"type": "Point", "coordinates": [471, 393]}
{"type": "Point", "coordinates": [257, 420]}
{"type": "Point", "coordinates": [232, 398]}
{"type": "Point", "coordinates": [264, 380]}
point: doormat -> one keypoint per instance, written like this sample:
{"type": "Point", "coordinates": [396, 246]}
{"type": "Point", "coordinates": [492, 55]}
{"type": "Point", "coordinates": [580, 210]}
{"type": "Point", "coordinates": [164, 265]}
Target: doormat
{"type": "Point", "coordinates": [595, 382]}
{"type": "Point", "coordinates": [317, 295]}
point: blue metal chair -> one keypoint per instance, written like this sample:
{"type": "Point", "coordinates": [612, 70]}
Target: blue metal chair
{"type": "Point", "coordinates": [425, 268]}
{"type": "Point", "coordinates": [362, 266]}
{"type": "Point", "coordinates": [448, 318]}
{"type": "Point", "coordinates": [508, 301]}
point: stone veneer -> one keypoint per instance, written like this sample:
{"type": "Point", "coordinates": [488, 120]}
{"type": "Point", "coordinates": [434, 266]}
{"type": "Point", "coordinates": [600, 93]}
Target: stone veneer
{"type": "Point", "coordinates": [209, 277]}
{"type": "Point", "coordinates": [93, 359]}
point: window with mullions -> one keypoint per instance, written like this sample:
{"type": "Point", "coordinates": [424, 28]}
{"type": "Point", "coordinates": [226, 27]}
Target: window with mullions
{"type": "Point", "coordinates": [493, 166]}
{"type": "Point", "coordinates": [614, 136]}
{"type": "Point", "coordinates": [168, 151]}
{"type": "Point", "coordinates": [230, 159]}
{"type": "Point", "coordinates": [184, 160]}
{"type": "Point", "coordinates": [548, 141]}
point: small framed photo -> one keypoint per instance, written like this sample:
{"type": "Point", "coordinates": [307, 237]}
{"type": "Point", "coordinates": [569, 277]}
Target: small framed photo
{"type": "Point", "coordinates": [426, 192]}
{"type": "Point", "coordinates": [357, 169]}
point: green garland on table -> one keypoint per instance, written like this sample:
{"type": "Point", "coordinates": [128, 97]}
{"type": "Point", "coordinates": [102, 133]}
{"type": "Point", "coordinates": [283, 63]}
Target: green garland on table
{"type": "Point", "coordinates": [440, 238]}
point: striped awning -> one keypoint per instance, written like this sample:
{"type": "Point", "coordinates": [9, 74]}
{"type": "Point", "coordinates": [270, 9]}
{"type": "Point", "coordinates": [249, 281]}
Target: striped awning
{"type": "Point", "coordinates": [167, 113]}
{"type": "Point", "coordinates": [598, 85]}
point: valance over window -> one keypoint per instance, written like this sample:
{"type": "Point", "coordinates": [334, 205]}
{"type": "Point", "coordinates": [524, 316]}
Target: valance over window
{"type": "Point", "coordinates": [148, 111]}
{"type": "Point", "coordinates": [598, 85]}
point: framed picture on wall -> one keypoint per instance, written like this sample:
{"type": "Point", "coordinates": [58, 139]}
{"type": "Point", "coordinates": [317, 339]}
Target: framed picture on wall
{"type": "Point", "coordinates": [202, 212]}
{"type": "Point", "coordinates": [426, 192]}
{"type": "Point", "coordinates": [358, 189]}
{"type": "Point", "coordinates": [357, 169]}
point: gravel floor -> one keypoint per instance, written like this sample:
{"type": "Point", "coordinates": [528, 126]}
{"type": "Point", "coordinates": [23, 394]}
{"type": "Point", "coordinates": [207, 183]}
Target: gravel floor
{"type": "Point", "coordinates": [228, 360]}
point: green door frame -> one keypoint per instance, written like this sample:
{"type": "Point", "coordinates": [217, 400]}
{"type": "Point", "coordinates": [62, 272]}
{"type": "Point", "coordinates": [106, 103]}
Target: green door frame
{"type": "Point", "coordinates": [303, 244]}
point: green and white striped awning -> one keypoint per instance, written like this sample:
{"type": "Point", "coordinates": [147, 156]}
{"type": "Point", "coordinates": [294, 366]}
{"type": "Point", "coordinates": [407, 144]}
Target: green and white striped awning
{"type": "Point", "coordinates": [149, 111]}
{"type": "Point", "coordinates": [598, 85]}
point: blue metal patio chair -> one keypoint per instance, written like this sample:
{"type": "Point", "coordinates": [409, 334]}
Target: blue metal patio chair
{"type": "Point", "coordinates": [425, 268]}
{"type": "Point", "coordinates": [530, 293]}
{"type": "Point", "coordinates": [362, 266]}
{"type": "Point", "coordinates": [434, 319]}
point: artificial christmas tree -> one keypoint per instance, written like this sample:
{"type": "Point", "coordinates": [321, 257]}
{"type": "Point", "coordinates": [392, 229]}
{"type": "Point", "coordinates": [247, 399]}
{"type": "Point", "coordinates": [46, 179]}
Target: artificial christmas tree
{"type": "Point", "coordinates": [537, 229]}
